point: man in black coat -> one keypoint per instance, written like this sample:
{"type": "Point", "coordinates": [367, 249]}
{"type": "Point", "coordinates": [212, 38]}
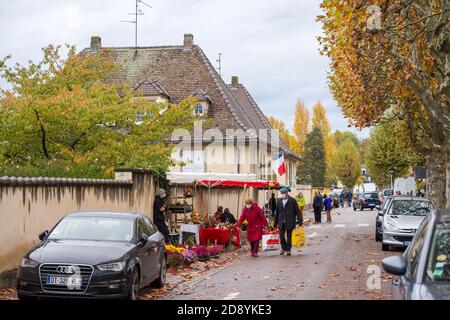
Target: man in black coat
{"type": "Point", "coordinates": [159, 210]}
{"type": "Point", "coordinates": [285, 219]}
{"type": "Point", "coordinates": [317, 206]}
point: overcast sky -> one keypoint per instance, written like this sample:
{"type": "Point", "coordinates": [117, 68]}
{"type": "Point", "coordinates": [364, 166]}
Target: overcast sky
{"type": "Point", "coordinates": [271, 45]}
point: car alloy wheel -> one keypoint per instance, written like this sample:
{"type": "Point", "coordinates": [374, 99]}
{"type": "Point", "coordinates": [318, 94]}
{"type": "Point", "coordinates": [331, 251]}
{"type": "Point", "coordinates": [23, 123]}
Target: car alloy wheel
{"type": "Point", "coordinates": [159, 283]}
{"type": "Point", "coordinates": [134, 289]}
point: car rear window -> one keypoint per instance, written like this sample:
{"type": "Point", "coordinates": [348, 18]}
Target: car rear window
{"type": "Point", "coordinates": [388, 192]}
{"type": "Point", "coordinates": [439, 259]}
{"type": "Point", "coordinates": [372, 195]}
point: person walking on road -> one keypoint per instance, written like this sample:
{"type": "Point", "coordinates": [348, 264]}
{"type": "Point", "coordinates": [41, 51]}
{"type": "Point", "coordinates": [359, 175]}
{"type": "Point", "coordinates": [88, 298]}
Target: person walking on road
{"type": "Point", "coordinates": [328, 205]}
{"type": "Point", "coordinates": [349, 198]}
{"type": "Point", "coordinates": [317, 206]}
{"type": "Point", "coordinates": [342, 199]}
{"type": "Point", "coordinates": [285, 219]}
{"type": "Point", "coordinates": [159, 210]}
{"type": "Point", "coordinates": [301, 200]}
{"type": "Point", "coordinates": [256, 221]}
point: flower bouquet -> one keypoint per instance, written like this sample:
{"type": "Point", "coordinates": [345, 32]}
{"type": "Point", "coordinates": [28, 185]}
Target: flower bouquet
{"type": "Point", "coordinates": [214, 251]}
{"type": "Point", "coordinates": [196, 218]}
{"type": "Point", "coordinates": [201, 252]}
{"type": "Point", "coordinates": [189, 257]}
{"type": "Point", "coordinates": [174, 257]}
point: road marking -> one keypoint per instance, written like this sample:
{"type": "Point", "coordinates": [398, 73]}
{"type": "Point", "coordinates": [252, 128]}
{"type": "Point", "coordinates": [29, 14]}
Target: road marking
{"type": "Point", "coordinates": [232, 296]}
{"type": "Point", "coordinates": [363, 224]}
{"type": "Point", "coordinates": [339, 225]}
{"type": "Point", "coordinates": [312, 235]}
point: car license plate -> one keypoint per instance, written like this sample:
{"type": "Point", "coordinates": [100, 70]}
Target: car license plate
{"type": "Point", "coordinates": [371, 204]}
{"type": "Point", "coordinates": [74, 281]}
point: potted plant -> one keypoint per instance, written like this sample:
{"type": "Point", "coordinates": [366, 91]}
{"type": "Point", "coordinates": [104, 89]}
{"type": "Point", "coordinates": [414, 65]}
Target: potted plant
{"type": "Point", "coordinates": [202, 253]}
{"type": "Point", "coordinates": [189, 257]}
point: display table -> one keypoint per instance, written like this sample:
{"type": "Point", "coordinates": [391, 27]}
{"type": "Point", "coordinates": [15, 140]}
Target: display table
{"type": "Point", "coordinates": [191, 228]}
{"type": "Point", "coordinates": [219, 236]}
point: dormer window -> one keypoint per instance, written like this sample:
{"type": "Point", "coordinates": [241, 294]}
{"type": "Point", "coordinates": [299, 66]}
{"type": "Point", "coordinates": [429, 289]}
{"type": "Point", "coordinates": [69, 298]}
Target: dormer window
{"type": "Point", "coordinates": [203, 103]}
{"type": "Point", "coordinates": [199, 109]}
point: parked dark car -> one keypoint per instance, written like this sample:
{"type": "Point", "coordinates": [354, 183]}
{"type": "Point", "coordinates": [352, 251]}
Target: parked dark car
{"type": "Point", "coordinates": [424, 269]}
{"type": "Point", "coordinates": [366, 200]}
{"type": "Point", "coordinates": [94, 255]}
{"type": "Point", "coordinates": [334, 200]}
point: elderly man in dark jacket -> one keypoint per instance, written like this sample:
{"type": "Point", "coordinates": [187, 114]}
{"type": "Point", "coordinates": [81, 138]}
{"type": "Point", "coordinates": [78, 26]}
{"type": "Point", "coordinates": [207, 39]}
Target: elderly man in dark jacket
{"type": "Point", "coordinates": [285, 219]}
{"type": "Point", "coordinates": [159, 210]}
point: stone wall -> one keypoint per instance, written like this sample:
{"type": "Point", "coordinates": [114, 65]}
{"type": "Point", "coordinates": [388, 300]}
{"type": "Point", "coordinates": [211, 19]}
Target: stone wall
{"type": "Point", "coordinates": [30, 205]}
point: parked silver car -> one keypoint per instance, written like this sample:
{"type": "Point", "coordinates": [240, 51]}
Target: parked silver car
{"type": "Point", "coordinates": [401, 220]}
{"type": "Point", "coordinates": [424, 269]}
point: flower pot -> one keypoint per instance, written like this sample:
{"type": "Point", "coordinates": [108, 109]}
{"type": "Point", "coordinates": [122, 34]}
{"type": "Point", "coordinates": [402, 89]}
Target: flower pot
{"type": "Point", "coordinates": [203, 259]}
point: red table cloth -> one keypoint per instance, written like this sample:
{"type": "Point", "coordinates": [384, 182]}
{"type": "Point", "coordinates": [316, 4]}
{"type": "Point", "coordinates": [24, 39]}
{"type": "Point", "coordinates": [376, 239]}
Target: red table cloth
{"type": "Point", "coordinates": [221, 235]}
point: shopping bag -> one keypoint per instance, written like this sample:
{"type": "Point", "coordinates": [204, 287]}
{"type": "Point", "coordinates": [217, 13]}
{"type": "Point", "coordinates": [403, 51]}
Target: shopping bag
{"type": "Point", "coordinates": [298, 237]}
{"type": "Point", "coordinates": [270, 242]}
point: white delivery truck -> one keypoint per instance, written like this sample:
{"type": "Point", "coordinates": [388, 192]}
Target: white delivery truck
{"type": "Point", "coordinates": [406, 186]}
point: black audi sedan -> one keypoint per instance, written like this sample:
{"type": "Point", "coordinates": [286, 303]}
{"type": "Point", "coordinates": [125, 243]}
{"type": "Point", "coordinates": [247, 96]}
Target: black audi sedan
{"type": "Point", "coordinates": [423, 271]}
{"type": "Point", "coordinates": [94, 255]}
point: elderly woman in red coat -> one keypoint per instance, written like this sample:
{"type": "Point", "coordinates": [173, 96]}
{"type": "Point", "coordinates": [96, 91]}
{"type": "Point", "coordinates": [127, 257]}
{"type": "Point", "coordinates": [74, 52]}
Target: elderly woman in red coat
{"type": "Point", "coordinates": [256, 221]}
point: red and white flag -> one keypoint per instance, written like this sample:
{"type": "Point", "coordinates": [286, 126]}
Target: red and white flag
{"type": "Point", "coordinates": [279, 165]}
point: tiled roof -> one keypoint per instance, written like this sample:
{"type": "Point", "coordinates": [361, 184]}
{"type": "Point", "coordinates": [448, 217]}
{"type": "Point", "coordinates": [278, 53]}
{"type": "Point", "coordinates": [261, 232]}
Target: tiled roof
{"type": "Point", "coordinates": [181, 73]}
{"type": "Point", "coordinates": [257, 117]}
{"type": "Point", "coordinates": [178, 73]}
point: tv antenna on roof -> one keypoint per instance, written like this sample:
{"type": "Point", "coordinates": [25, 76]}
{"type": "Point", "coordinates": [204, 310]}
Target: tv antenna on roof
{"type": "Point", "coordinates": [219, 61]}
{"type": "Point", "coordinates": [138, 12]}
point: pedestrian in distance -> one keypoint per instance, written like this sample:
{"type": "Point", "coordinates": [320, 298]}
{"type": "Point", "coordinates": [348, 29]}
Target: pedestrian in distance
{"type": "Point", "coordinates": [328, 205]}
{"type": "Point", "coordinates": [256, 222]}
{"type": "Point", "coordinates": [349, 198]}
{"type": "Point", "coordinates": [342, 199]}
{"type": "Point", "coordinates": [317, 207]}
{"type": "Point", "coordinates": [159, 210]}
{"type": "Point", "coordinates": [286, 216]}
{"type": "Point", "coordinates": [272, 204]}
{"type": "Point", "coordinates": [301, 200]}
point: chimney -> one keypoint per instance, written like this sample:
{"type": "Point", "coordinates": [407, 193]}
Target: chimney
{"type": "Point", "coordinates": [96, 43]}
{"type": "Point", "coordinates": [234, 81]}
{"type": "Point", "coordinates": [188, 42]}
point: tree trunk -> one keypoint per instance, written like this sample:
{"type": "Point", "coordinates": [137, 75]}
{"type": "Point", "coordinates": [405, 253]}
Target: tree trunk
{"type": "Point", "coordinates": [437, 176]}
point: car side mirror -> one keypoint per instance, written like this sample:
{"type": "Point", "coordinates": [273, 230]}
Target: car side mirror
{"type": "Point", "coordinates": [43, 235]}
{"type": "Point", "coordinates": [143, 239]}
{"type": "Point", "coordinates": [381, 213]}
{"type": "Point", "coordinates": [395, 265]}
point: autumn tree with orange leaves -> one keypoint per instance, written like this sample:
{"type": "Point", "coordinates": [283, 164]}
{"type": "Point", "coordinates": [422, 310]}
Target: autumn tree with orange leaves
{"type": "Point", "coordinates": [389, 61]}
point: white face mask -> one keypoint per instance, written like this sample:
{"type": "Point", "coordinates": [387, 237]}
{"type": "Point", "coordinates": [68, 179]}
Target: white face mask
{"type": "Point", "coordinates": [163, 196]}
{"type": "Point", "coordinates": [248, 206]}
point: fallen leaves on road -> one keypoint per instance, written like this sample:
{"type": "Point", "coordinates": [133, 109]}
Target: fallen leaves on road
{"type": "Point", "coordinates": [333, 274]}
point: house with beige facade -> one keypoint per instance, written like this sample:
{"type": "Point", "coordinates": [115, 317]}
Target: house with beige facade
{"type": "Point", "coordinates": [232, 136]}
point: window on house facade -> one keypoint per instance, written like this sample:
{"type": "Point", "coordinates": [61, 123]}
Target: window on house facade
{"type": "Point", "coordinates": [198, 109]}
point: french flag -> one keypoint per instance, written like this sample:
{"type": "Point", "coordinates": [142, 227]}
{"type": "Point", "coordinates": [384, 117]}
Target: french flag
{"type": "Point", "coordinates": [279, 165]}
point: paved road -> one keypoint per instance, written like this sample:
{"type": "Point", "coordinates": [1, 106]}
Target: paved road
{"type": "Point", "coordinates": [333, 265]}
